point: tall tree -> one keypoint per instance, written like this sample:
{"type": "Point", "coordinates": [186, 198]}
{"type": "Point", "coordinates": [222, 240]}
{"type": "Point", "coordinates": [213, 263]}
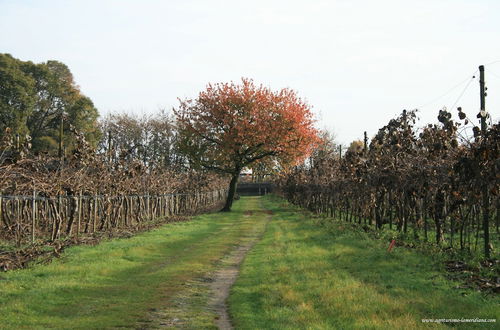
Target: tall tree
{"type": "Point", "coordinates": [57, 95]}
{"type": "Point", "coordinates": [16, 96]}
{"type": "Point", "coordinates": [230, 126]}
{"type": "Point", "coordinates": [34, 97]}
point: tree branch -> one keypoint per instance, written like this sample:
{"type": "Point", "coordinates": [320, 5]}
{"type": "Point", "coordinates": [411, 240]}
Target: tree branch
{"type": "Point", "coordinates": [253, 159]}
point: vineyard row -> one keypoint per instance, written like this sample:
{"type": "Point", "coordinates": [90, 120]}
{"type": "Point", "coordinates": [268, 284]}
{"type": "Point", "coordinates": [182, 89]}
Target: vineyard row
{"type": "Point", "coordinates": [428, 218]}
{"type": "Point", "coordinates": [26, 219]}
{"type": "Point", "coordinates": [418, 181]}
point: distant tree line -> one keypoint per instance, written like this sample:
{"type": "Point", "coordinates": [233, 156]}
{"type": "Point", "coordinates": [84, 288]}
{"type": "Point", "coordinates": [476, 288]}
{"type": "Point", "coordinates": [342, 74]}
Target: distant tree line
{"type": "Point", "coordinates": [151, 140]}
{"type": "Point", "coordinates": [116, 155]}
{"type": "Point", "coordinates": [64, 172]}
{"type": "Point", "coordinates": [40, 103]}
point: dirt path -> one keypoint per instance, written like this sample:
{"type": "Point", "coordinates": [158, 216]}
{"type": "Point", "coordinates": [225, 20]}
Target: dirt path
{"type": "Point", "coordinates": [200, 299]}
{"type": "Point", "coordinates": [224, 278]}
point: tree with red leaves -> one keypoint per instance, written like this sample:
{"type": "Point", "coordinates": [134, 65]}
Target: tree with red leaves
{"type": "Point", "coordinates": [230, 126]}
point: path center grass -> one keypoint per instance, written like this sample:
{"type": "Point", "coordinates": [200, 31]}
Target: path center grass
{"type": "Point", "coordinates": [301, 276]}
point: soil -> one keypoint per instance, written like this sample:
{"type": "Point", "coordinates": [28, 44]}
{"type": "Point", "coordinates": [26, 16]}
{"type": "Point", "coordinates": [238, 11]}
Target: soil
{"type": "Point", "coordinates": [206, 295]}
{"type": "Point", "coordinates": [224, 278]}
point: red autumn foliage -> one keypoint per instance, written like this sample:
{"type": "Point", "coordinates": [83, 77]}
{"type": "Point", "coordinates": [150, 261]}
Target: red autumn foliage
{"type": "Point", "coordinates": [230, 126]}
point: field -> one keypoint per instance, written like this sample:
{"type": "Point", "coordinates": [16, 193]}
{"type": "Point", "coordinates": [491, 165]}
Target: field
{"type": "Point", "coordinates": [298, 165]}
{"type": "Point", "coordinates": [301, 273]}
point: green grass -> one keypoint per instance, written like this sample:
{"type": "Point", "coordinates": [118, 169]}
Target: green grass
{"type": "Point", "coordinates": [122, 282]}
{"type": "Point", "coordinates": [473, 250]}
{"type": "Point", "coordinates": [308, 275]}
{"type": "Point", "coordinates": [303, 274]}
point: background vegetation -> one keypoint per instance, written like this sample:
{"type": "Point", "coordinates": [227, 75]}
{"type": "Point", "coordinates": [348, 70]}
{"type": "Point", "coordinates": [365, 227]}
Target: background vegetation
{"type": "Point", "coordinates": [64, 173]}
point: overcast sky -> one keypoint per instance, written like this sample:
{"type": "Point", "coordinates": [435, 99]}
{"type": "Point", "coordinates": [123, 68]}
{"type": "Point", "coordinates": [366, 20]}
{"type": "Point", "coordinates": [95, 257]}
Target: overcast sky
{"type": "Point", "coordinates": [358, 63]}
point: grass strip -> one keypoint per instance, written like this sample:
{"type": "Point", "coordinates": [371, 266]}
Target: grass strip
{"type": "Point", "coordinates": [123, 282]}
{"type": "Point", "coordinates": [303, 275]}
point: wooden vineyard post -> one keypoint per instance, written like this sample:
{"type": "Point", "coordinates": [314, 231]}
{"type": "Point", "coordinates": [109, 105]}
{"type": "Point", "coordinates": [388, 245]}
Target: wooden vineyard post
{"type": "Point", "coordinates": [95, 214]}
{"type": "Point", "coordinates": [132, 211]}
{"type": "Point", "coordinates": [484, 191]}
{"type": "Point", "coordinates": [79, 210]}
{"type": "Point", "coordinates": [162, 205]}
{"type": "Point", "coordinates": [121, 210]}
{"type": "Point", "coordinates": [1, 212]}
{"type": "Point", "coordinates": [365, 144]}
{"type": "Point", "coordinates": [155, 207]}
{"type": "Point", "coordinates": [169, 205]}
{"type": "Point", "coordinates": [19, 219]}
{"type": "Point", "coordinates": [33, 220]}
{"type": "Point", "coordinates": [147, 207]}
{"type": "Point", "coordinates": [60, 218]}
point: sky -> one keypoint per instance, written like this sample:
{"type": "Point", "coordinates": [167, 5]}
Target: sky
{"type": "Point", "coordinates": [357, 63]}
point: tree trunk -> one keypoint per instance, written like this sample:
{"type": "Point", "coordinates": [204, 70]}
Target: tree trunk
{"type": "Point", "coordinates": [231, 192]}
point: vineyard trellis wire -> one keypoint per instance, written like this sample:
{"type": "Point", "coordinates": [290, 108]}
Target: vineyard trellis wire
{"type": "Point", "coordinates": [26, 218]}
